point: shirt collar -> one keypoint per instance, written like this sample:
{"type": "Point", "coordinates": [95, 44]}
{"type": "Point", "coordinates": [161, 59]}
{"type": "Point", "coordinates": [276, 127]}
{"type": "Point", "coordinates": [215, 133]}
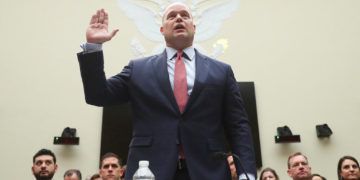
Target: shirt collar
{"type": "Point", "coordinates": [189, 51]}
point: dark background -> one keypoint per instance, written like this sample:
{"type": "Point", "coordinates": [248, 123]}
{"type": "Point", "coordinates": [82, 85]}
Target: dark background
{"type": "Point", "coordinates": [117, 127]}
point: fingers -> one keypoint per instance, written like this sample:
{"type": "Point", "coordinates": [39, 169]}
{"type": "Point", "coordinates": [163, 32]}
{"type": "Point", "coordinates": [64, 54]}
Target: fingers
{"type": "Point", "coordinates": [94, 19]}
{"type": "Point", "coordinates": [98, 29]}
{"type": "Point", "coordinates": [99, 17]}
{"type": "Point", "coordinates": [106, 19]}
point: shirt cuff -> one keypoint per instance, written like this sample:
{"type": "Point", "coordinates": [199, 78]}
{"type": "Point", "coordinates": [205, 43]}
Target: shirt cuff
{"type": "Point", "coordinates": [243, 176]}
{"type": "Point", "coordinates": [91, 47]}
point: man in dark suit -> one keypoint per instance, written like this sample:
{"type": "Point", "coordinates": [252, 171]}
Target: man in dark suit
{"type": "Point", "coordinates": [185, 104]}
{"type": "Point", "coordinates": [298, 167]}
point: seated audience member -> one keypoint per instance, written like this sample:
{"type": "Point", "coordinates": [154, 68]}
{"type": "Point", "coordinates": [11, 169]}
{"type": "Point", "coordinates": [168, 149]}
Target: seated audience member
{"type": "Point", "coordinates": [348, 168]}
{"type": "Point", "coordinates": [317, 177]}
{"type": "Point", "coordinates": [110, 167]}
{"type": "Point", "coordinates": [232, 167]}
{"type": "Point", "coordinates": [268, 174]}
{"type": "Point", "coordinates": [72, 174]}
{"type": "Point", "coordinates": [124, 171]}
{"type": "Point", "coordinates": [298, 167]}
{"type": "Point", "coordinates": [96, 177]}
{"type": "Point", "coordinates": [44, 165]}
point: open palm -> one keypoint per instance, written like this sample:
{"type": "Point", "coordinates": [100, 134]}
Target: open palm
{"type": "Point", "coordinates": [97, 32]}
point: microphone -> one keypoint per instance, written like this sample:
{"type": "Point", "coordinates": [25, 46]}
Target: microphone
{"type": "Point", "coordinates": [223, 155]}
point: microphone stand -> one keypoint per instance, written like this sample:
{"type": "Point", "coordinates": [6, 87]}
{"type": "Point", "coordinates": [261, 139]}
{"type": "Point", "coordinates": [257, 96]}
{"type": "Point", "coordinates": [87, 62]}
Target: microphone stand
{"type": "Point", "coordinates": [224, 155]}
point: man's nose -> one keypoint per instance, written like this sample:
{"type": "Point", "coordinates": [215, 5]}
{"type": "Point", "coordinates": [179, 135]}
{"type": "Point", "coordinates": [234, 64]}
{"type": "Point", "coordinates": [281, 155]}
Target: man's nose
{"type": "Point", "coordinates": [178, 17]}
{"type": "Point", "coordinates": [43, 165]}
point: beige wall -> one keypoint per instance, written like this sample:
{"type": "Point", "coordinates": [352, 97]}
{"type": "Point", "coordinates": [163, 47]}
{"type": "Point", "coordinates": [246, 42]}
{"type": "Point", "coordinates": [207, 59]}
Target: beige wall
{"type": "Point", "coordinates": [302, 55]}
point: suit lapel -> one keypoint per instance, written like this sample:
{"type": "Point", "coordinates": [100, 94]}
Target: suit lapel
{"type": "Point", "coordinates": [162, 75]}
{"type": "Point", "coordinates": [202, 69]}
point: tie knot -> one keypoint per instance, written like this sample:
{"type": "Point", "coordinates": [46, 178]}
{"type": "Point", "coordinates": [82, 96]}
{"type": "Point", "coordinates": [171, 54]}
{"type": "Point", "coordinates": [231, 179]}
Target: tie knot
{"type": "Point", "coordinates": [179, 54]}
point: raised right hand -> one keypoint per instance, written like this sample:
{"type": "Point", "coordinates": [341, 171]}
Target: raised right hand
{"type": "Point", "coordinates": [97, 32]}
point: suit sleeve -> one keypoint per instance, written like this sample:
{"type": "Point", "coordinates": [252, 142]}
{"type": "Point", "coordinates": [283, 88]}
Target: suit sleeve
{"type": "Point", "coordinates": [237, 126]}
{"type": "Point", "coordinates": [98, 90]}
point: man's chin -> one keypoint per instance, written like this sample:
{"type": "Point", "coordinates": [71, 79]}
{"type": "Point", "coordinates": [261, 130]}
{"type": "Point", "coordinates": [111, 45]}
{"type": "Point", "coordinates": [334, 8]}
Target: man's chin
{"type": "Point", "coordinates": [44, 176]}
{"type": "Point", "coordinates": [303, 176]}
{"type": "Point", "coordinates": [110, 178]}
{"type": "Point", "coordinates": [181, 34]}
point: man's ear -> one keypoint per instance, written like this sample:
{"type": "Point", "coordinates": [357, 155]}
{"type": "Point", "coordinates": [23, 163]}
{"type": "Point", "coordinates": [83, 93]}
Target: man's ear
{"type": "Point", "coordinates": [162, 30]}
{"type": "Point", "coordinates": [289, 172]}
{"type": "Point", "coordinates": [56, 167]}
{"type": "Point", "coordinates": [32, 169]}
{"type": "Point", "coordinates": [122, 170]}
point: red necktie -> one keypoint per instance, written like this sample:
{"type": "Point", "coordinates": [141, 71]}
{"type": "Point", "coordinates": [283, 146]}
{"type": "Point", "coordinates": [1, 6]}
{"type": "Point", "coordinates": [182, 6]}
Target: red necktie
{"type": "Point", "coordinates": [180, 83]}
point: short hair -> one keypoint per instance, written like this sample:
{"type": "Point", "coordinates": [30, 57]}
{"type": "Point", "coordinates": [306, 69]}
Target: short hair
{"type": "Point", "coordinates": [108, 155]}
{"type": "Point", "coordinates": [270, 170]}
{"type": "Point", "coordinates": [44, 152]}
{"type": "Point", "coordinates": [293, 155]}
{"type": "Point", "coordinates": [70, 172]}
{"type": "Point", "coordinates": [93, 177]}
{"type": "Point", "coordinates": [318, 175]}
{"type": "Point", "coordinates": [167, 8]}
{"type": "Point", "coordinates": [341, 160]}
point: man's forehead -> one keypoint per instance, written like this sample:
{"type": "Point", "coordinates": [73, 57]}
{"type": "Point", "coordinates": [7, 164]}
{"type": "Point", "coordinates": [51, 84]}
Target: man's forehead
{"type": "Point", "coordinates": [110, 160]}
{"type": "Point", "coordinates": [298, 158]}
{"type": "Point", "coordinates": [176, 7]}
{"type": "Point", "coordinates": [44, 158]}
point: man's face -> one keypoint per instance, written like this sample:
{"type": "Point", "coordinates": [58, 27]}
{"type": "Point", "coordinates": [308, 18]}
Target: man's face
{"type": "Point", "coordinates": [110, 169]}
{"type": "Point", "coordinates": [299, 168]}
{"type": "Point", "coordinates": [178, 27]}
{"type": "Point", "coordinates": [44, 167]}
{"type": "Point", "coordinates": [72, 177]}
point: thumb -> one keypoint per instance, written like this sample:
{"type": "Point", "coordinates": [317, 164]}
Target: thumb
{"type": "Point", "coordinates": [113, 33]}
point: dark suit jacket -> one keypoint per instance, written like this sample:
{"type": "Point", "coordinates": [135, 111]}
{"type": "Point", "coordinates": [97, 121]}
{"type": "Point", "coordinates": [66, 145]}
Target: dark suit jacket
{"type": "Point", "coordinates": [214, 113]}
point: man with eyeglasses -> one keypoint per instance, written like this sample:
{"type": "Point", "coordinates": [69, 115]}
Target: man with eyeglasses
{"type": "Point", "coordinates": [298, 167]}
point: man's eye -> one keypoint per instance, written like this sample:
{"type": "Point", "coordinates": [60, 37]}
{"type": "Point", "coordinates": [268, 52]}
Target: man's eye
{"type": "Point", "coordinates": [171, 16]}
{"type": "Point", "coordinates": [185, 15]}
{"type": "Point", "coordinates": [114, 166]}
